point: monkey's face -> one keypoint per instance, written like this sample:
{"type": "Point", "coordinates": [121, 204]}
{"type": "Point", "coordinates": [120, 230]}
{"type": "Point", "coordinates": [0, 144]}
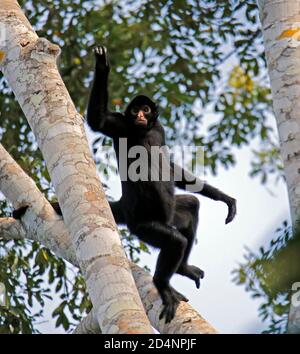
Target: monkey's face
{"type": "Point", "coordinates": [142, 112]}
{"type": "Point", "coordinates": [141, 115]}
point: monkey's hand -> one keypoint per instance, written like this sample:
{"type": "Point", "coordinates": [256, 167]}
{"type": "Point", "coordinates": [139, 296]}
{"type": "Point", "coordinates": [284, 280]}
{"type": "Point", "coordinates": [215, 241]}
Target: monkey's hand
{"type": "Point", "coordinates": [102, 60]}
{"type": "Point", "coordinates": [231, 203]}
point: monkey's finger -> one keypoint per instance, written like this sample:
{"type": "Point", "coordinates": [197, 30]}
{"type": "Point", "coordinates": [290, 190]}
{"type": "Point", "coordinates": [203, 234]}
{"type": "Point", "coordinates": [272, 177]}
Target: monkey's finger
{"type": "Point", "coordinates": [165, 312]}
{"type": "Point", "coordinates": [162, 314]}
{"type": "Point", "coordinates": [170, 316]}
{"type": "Point", "coordinates": [106, 55]}
{"type": "Point", "coordinates": [98, 50]}
{"type": "Point", "coordinates": [168, 313]}
{"type": "Point", "coordinates": [230, 217]}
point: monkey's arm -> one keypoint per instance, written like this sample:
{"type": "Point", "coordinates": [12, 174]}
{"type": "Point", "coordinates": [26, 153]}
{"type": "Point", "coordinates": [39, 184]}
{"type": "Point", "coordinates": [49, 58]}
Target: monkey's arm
{"type": "Point", "coordinates": [99, 118]}
{"type": "Point", "coordinates": [187, 181]}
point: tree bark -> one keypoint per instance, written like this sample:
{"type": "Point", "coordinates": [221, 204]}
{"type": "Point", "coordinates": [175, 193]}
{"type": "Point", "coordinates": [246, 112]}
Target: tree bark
{"type": "Point", "coordinates": [281, 30]}
{"type": "Point", "coordinates": [29, 65]}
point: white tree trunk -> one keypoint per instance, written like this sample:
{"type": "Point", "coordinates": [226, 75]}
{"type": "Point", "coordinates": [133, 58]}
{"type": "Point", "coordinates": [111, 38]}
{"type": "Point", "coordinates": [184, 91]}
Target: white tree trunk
{"type": "Point", "coordinates": [29, 65]}
{"type": "Point", "coordinates": [281, 30]}
{"type": "Point", "coordinates": [40, 223]}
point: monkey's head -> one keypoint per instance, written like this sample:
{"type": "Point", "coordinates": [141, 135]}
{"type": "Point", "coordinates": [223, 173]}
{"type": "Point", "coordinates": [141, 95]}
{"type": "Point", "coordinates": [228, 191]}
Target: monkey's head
{"type": "Point", "coordinates": [142, 112]}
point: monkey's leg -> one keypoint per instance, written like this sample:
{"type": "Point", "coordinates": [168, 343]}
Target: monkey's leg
{"type": "Point", "coordinates": [186, 221]}
{"type": "Point", "coordinates": [118, 213]}
{"type": "Point", "coordinates": [172, 247]}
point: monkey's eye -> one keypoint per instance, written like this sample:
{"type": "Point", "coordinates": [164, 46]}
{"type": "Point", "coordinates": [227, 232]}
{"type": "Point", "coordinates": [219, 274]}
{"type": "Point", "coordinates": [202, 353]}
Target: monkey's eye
{"type": "Point", "coordinates": [134, 111]}
{"type": "Point", "coordinates": [146, 109]}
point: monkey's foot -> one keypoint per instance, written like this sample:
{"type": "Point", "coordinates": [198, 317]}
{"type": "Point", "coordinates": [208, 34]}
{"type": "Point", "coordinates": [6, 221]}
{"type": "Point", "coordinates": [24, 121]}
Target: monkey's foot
{"type": "Point", "coordinates": [192, 272]}
{"type": "Point", "coordinates": [18, 213]}
{"type": "Point", "coordinates": [169, 299]}
{"type": "Point", "coordinates": [170, 303]}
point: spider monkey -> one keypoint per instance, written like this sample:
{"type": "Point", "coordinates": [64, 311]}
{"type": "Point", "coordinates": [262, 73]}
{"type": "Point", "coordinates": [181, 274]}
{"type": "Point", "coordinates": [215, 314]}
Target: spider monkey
{"type": "Point", "coordinates": [150, 209]}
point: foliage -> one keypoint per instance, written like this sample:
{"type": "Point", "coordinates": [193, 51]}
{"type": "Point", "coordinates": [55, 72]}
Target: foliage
{"type": "Point", "coordinates": [270, 273]}
{"type": "Point", "coordinates": [194, 57]}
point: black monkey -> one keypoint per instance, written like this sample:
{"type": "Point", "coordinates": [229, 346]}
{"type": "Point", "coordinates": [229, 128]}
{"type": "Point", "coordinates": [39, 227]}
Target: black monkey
{"type": "Point", "coordinates": [150, 209]}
